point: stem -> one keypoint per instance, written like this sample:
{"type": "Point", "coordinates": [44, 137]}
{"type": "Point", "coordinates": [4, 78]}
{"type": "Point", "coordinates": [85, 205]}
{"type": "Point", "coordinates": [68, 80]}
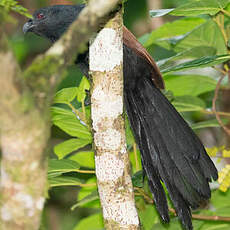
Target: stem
{"type": "Point", "coordinates": [227, 130]}
{"type": "Point", "coordinates": [194, 216]}
{"type": "Point", "coordinates": [87, 185]}
{"type": "Point", "coordinates": [84, 171]}
{"type": "Point", "coordinates": [226, 114]}
{"type": "Point", "coordinates": [135, 156]}
{"type": "Point", "coordinates": [78, 113]}
{"type": "Point", "coordinates": [225, 12]}
{"type": "Point", "coordinates": [221, 26]}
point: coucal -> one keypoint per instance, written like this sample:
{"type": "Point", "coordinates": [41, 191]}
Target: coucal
{"type": "Point", "coordinates": [170, 151]}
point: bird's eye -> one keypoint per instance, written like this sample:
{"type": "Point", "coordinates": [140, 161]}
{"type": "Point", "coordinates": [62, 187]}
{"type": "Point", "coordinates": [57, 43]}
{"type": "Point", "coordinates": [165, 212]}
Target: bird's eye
{"type": "Point", "coordinates": [40, 16]}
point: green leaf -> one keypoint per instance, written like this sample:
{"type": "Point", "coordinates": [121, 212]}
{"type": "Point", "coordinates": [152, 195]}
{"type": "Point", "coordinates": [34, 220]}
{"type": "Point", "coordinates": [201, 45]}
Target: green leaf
{"type": "Point", "coordinates": [188, 103]}
{"type": "Point", "coordinates": [62, 166]}
{"type": "Point", "coordinates": [13, 5]}
{"type": "Point", "coordinates": [193, 85]}
{"type": "Point", "coordinates": [160, 12]}
{"type": "Point", "coordinates": [66, 95]}
{"type": "Point", "coordinates": [198, 63]}
{"type": "Point", "coordinates": [84, 85]}
{"type": "Point", "coordinates": [91, 197]}
{"type": "Point", "coordinates": [176, 225]}
{"type": "Point", "coordinates": [129, 135]}
{"type": "Point", "coordinates": [148, 217]}
{"type": "Point", "coordinates": [85, 159]}
{"type": "Point", "coordinates": [208, 124]}
{"type": "Point", "coordinates": [175, 28]}
{"type": "Point", "coordinates": [220, 199]}
{"type": "Point", "coordinates": [64, 181]}
{"type": "Point", "coordinates": [193, 8]}
{"type": "Point", "coordinates": [206, 34]}
{"type": "Point", "coordinates": [54, 174]}
{"type": "Point", "coordinates": [215, 226]}
{"type": "Point", "coordinates": [194, 52]}
{"type": "Point", "coordinates": [132, 159]}
{"type": "Point", "coordinates": [94, 222]}
{"type": "Point", "coordinates": [66, 147]}
{"type": "Point", "coordinates": [86, 191]}
{"type": "Point", "coordinates": [68, 122]}
{"type": "Point", "coordinates": [137, 179]}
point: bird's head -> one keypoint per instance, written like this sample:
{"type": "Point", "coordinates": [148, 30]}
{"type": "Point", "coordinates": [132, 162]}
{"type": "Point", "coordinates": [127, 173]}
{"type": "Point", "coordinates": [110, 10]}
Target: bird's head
{"type": "Point", "coordinates": [51, 22]}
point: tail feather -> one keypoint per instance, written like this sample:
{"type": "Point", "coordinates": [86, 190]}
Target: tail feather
{"type": "Point", "coordinates": [155, 185]}
{"type": "Point", "coordinates": [170, 150]}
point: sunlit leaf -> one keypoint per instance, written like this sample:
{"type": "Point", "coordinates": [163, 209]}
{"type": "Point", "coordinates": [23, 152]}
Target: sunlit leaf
{"type": "Point", "coordinates": [66, 147]}
{"type": "Point", "coordinates": [86, 191]}
{"type": "Point", "coordinates": [68, 122]}
{"type": "Point", "coordinates": [64, 181]}
{"type": "Point", "coordinates": [193, 8]}
{"type": "Point", "coordinates": [188, 103]}
{"type": "Point", "coordinates": [193, 85]}
{"type": "Point", "coordinates": [66, 95]}
{"type": "Point", "coordinates": [91, 197]}
{"type": "Point", "coordinates": [198, 63]}
{"type": "Point", "coordinates": [93, 222]}
{"type": "Point", "coordinates": [224, 178]}
{"type": "Point", "coordinates": [85, 159]}
{"type": "Point", "coordinates": [207, 124]}
{"type": "Point", "coordinates": [171, 29]}
{"type": "Point", "coordinates": [148, 217]}
{"type": "Point", "coordinates": [160, 12]}
{"type": "Point", "coordinates": [84, 85]}
{"type": "Point", "coordinates": [62, 166]}
{"type": "Point", "coordinates": [206, 34]}
{"type": "Point", "coordinates": [226, 153]}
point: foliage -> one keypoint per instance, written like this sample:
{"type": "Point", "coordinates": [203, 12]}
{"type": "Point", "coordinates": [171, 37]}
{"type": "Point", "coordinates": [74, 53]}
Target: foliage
{"type": "Point", "coordinates": [12, 5]}
{"type": "Point", "coordinates": [224, 178]}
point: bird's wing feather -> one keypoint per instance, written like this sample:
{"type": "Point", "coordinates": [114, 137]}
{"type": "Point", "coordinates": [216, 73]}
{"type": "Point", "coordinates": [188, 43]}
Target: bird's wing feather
{"type": "Point", "coordinates": [130, 41]}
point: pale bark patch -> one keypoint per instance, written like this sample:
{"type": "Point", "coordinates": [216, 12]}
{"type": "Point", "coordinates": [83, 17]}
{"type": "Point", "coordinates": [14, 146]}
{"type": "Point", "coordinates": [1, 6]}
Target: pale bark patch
{"type": "Point", "coordinates": [123, 213]}
{"type": "Point", "coordinates": [106, 42]}
{"type": "Point", "coordinates": [106, 104]}
{"type": "Point", "coordinates": [108, 167]}
{"type": "Point", "coordinates": [109, 139]}
{"type": "Point", "coordinates": [40, 203]}
{"type": "Point", "coordinates": [5, 213]}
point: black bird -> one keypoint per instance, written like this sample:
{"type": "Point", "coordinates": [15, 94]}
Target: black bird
{"type": "Point", "coordinates": [170, 151]}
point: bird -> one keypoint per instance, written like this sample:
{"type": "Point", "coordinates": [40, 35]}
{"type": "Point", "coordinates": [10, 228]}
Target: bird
{"type": "Point", "coordinates": [171, 153]}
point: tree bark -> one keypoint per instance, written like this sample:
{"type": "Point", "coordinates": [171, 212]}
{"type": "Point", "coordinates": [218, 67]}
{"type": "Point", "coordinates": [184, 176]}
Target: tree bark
{"type": "Point", "coordinates": [111, 157]}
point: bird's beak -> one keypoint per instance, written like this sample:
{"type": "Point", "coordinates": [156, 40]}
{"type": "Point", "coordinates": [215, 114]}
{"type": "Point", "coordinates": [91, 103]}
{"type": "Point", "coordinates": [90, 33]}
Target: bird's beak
{"type": "Point", "coordinates": [28, 27]}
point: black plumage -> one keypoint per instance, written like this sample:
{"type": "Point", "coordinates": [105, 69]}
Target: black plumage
{"type": "Point", "coordinates": [170, 151]}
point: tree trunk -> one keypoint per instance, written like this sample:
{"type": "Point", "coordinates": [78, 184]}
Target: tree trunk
{"type": "Point", "coordinates": [111, 157]}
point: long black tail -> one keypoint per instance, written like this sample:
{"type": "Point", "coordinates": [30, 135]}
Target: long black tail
{"type": "Point", "coordinates": [170, 151]}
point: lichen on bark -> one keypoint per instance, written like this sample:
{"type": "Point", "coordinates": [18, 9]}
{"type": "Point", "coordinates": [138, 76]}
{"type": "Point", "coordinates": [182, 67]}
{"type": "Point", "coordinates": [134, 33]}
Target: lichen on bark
{"type": "Point", "coordinates": [111, 158]}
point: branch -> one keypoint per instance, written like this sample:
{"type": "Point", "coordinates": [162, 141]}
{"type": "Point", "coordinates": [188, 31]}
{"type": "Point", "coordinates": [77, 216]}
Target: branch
{"type": "Point", "coordinates": [227, 130]}
{"type": "Point", "coordinates": [111, 157]}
